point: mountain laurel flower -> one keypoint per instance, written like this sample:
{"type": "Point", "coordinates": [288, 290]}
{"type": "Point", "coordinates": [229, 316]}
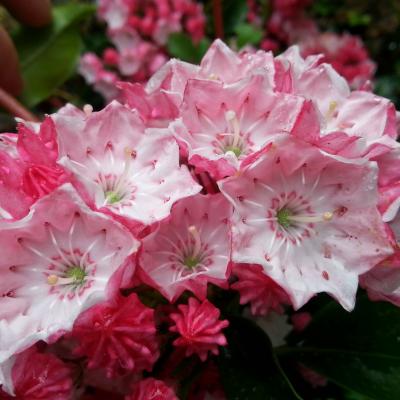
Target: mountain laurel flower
{"type": "Point", "coordinates": [121, 167]}
{"type": "Point", "coordinates": [38, 376]}
{"type": "Point", "coordinates": [118, 335]}
{"type": "Point", "coordinates": [258, 289]}
{"type": "Point", "coordinates": [190, 248]}
{"type": "Point", "coordinates": [57, 261]}
{"type": "Point", "coordinates": [153, 389]}
{"type": "Point", "coordinates": [199, 328]}
{"type": "Point", "coordinates": [309, 218]}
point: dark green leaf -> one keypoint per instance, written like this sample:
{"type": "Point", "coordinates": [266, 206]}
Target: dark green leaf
{"type": "Point", "coordinates": [234, 12]}
{"type": "Point", "coordinates": [359, 351]}
{"type": "Point", "coordinates": [181, 46]}
{"type": "Point", "coordinates": [249, 369]}
{"type": "Point", "coordinates": [48, 56]}
{"type": "Point", "coordinates": [248, 34]}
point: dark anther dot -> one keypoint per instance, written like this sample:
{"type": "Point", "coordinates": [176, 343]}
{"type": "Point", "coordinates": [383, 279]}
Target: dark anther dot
{"type": "Point", "coordinates": [12, 268]}
{"type": "Point", "coordinates": [104, 230]}
{"type": "Point", "coordinates": [77, 214]}
{"type": "Point", "coordinates": [341, 211]}
{"type": "Point", "coordinates": [278, 160]}
{"type": "Point", "coordinates": [240, 198]}
{"type": "Point", "coordinates": [20, 240]}
{"type": "Point", "coordinates": [325, 275]}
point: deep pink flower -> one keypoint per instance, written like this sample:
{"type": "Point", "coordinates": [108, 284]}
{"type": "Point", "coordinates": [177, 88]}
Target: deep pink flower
{"type": "Point", "coordinates": [310, 219]}
{"type": "Point", "coordinates": [118, 336]}
{"type": "Point", "coordinates": [38, 376]}
{"type": "Point", "coordinates": [28, 168]}
{"type": "Point", "coordinates": [189, 249]}
{"type": "Point", "coordinates": [300, 321]}
{"type": "Point", "coordinates": [258, 289]}
{"type": "Point", "coordinates": [152, 389]}
{"type": "Point", "coordinates": [199, 328]}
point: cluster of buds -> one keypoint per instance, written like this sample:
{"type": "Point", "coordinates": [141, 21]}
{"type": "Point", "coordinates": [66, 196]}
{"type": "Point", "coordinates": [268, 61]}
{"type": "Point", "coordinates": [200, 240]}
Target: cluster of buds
{"type": "Point", "coordinates": [290, 24]}
{"type": "Point", "coordinates": [261, 174]}
{"type": "Point", "coordinates": [139, 31]}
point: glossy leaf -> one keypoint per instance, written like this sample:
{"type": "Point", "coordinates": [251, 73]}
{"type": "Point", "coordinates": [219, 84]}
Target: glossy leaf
{"type": "Point", "coordinates": [234, 12]}
{"type": "Point", "coordinates": [248, 367]}
{"type": "Point", "coordinates": [248, 34]}
{"type": "Point", "coordinates": [48, 56]}
{"type": "Point", "coordinates": [181, 46]}
{"type": "Point", "coordinates": [359, 351]}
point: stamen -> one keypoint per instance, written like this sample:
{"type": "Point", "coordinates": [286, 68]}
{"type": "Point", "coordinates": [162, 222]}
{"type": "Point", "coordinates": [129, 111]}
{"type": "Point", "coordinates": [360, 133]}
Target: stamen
{"type": "Point", "coordinates": [234, 125]}
{"type": "Point", "coordinates": [324, 217]}
{"type": "Point", "coordinates": [197, 240]}
{"type": "Point", "coordinates": [331, 110]}
{"type": "Point", "coordinates": [52, 280]}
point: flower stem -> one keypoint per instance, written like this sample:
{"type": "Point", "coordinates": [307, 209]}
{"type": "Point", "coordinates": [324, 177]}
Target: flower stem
{"type": "Point", "coordinates": [14, 107]}
{"type": "Point", "coordinates": [218, 19]}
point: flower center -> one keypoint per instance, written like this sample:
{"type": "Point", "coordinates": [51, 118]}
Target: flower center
{"type": "Point", "coordinates": [74, 276]}
{"type": "Point", "coordinates": [232, 142]}
{"type": "Point", "coordinates": [236, 150]}
{"type": "Point", "coordinates": [283, 217]}
{"type": "Point", "coordinates": [191, 261]}
{"type": "Point", "coordinates": [286, 218]}
{"type": "Point", "coordinates": [77, 274]}
{"type": "Point", "coordinates": [112, 197]}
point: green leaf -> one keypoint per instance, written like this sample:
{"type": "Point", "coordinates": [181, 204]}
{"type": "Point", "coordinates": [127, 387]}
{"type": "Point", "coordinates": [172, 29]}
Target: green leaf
{"type": "Point", "coordinates": [248, 34]}
{"type": "Point", "coordinates": [359, 351]}
{"type": "Point", "coordinates": [233, 13]}
{"type": "Point", "coordinates": [180, 45]}
{"type": "Point", "coordinates": [48, 56]}
{"type": "Point", "coordinates": [248, 367]}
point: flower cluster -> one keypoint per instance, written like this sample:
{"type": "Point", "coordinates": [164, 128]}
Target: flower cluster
{"type": "Point", "coordinates": [139, 31]}
{"type": "Point", "coordinates": [264, 175]}
{"type": "Point", "coordinates": [289, 24]}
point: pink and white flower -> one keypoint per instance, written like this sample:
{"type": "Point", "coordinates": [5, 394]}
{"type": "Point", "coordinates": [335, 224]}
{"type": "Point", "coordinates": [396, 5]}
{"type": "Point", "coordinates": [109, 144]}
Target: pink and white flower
{"type": "Point", "coordinates": [56, 262]}
{"type": "Point", "coordinates": [121, 167]}
{"type": "Point", "coordinates": [223, 126]}
{"type": "Point", "coordinates": [190, 248]}
{"type": "Point", "coordinates": [346, 53]}
{"type": "Point", "coordinates": [309, 218]}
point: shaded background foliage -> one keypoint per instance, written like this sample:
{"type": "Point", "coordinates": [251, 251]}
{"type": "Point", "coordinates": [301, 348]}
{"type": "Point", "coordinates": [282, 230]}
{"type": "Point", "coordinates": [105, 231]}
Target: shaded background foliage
{"type": "Point", "coordinates": [358, 353]}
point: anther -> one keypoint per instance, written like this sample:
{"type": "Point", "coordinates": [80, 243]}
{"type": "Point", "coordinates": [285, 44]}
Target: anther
{"type": "Point", "coordinates": [88, 109]}
{"type": "Point", "coordinates": [52, 280]}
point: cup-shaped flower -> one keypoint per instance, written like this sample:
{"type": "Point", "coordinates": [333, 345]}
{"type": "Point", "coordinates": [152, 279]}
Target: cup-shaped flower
{"type": "Point", "coordinates": [120, 167]}
{"type": "Point", "coordinates": [57, 261]}
{"type": "Point", "coordinates": [309, 218]}
{"type": "Point", "coordinates": [190, 248]}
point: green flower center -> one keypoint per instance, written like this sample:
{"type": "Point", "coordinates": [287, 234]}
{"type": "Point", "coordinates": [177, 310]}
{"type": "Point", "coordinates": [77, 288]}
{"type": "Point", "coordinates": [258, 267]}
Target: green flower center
{"type": "Point", "coordinates": [236, 150]}
{"type": "Point", "coordinates": [112, 197]}
{"type": "Point", "coordinates": [191, 262]}
{"type": "Point", "coordinates": [283, 216]}
{"type": "Point", "coordinates": [77, 274]}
